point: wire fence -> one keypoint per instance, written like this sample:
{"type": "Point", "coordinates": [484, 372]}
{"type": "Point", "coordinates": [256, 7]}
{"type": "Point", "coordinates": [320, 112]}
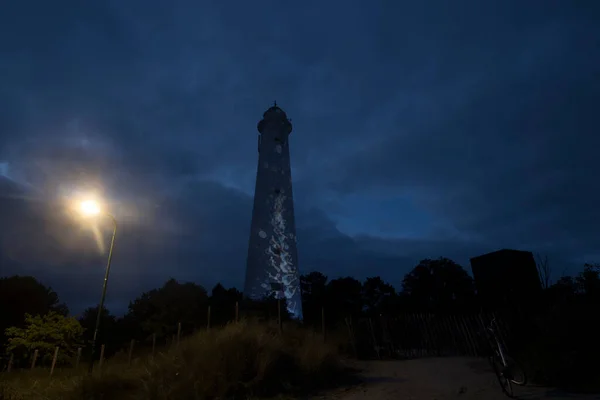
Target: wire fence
{"type": "Point", "coordinates": [412, 335]}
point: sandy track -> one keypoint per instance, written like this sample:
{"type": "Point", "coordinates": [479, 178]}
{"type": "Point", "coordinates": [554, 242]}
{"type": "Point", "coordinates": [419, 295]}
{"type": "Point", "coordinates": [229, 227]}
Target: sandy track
{"type": "Point", "coordinates": [438, 379]}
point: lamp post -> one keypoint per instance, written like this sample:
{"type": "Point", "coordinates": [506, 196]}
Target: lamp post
{"type": "Point", "coordinates": [92, 208]}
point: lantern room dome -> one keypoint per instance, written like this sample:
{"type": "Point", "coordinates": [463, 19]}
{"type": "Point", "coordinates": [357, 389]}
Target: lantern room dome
{"type": "Point", "coordinates": [276, 117]}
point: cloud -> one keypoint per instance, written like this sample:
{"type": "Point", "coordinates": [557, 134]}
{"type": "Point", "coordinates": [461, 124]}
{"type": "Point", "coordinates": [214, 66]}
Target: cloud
{"type": "Point", "coordinates": [420, 130]}
{"type": "Point", "coordinates": [200, 234]}
{"type": "Point", "coordinates": [508, 158]}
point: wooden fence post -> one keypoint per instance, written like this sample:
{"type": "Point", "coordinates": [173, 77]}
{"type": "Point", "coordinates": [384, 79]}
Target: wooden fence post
{"type": "Point", "coordinates": [178, 333]}
{"type": "Point", "coordinates": [323, 330]}
{"type": "Point", "coordinates": [35, 356]}
{"type": "Point", "coordinates": [54, 360]}
{"type": "Point", "coordinates": [404, 337]}
{"type": "Point", "coordinates": [428, 340]}
{"type": "Point", "coordinates": [470, 342]}
{"type": "Point", "coordinates": [434, 318]}
{"type": "Point", "coordinates": [237, 311]}
{"type": "Point", "coordinates": [153, 345]}
{"type": "Point", "coordinates": [10, 362]}
{"type": "Point", "coordinates": [416, 318]}
{"type": "Point", "coordinates": [447, 340]}
{"type": "Point", "coordinates": [375, 344]}
{"type": "Point", "coordinates": [460, 334]}
{"type": "Point", "coordinates": [475, 338]}
{"type": "Point", "coordinates": [387, 343]}
{"type": "Point", "coordinates": [467, 343]}
{"type": "Point", "coordinates": [101, 358]}
{"type": "Point", "coordinates": [351, 335]}
{"type": "Point", "coordinates": [431, 347]}
{"type": "Point", "coordinates": [420, 334]}
{"type": "Point", "coordinates": [208, 319]}
{"type": "Point", "coordinates": [130, 351]}
{"type": "Point", "coordinates": [78, 357]}
{"type": "Point", "coordinates": [484, 335]}
{"type": "Point", "coordinates": [416, 337]}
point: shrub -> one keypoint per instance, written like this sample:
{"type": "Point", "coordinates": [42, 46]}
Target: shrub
{"type": "Point", "coordinates": [44, 333]}
{"type": "Point", "coordinates": [237, 361]}
{"type": "Point", "coordinates": [241, 359]}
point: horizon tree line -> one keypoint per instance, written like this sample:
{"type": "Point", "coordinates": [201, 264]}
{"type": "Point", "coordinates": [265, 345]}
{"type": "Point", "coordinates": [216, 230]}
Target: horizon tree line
{"type": "Point", "coordinates": [433, 286]}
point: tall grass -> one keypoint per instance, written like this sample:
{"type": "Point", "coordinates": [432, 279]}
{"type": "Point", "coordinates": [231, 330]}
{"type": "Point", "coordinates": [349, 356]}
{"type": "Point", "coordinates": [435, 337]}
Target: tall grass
{"type": "Point", "coordinates": [239, 361]}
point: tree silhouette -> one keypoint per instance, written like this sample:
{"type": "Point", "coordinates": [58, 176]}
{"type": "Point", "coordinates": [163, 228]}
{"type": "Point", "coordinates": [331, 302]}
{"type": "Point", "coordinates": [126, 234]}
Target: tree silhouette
{"type": "Point", "coordinates": [313, 285]}
{"type": "Point", "coordinates": [344, 298]}
{"type": "Point", "coordinates": [160, 310]}
{"type": "Point", "coordinates": [439, 285]}
{"type": "Point", "coordinates": [588, 281]}
{"type": "Point", "coordinates": [222, 302]}
{"type": "Point", "coordinates": [378, 296]}
{"type": "Point", "coordinates": [544, 271]}
{"type": "Point", "coordinates": [314, 292]}
{"type": "Point", "coordinates": [559, 346]}
{"type": "Point", "coordinates": [20, 295]}
{"type": "Point", "coordinates": [563, 290]}
{"type": "Point", "coordinates": [108, 333]}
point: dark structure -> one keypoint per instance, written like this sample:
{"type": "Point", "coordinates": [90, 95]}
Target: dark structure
{"type": "Point", "coordinates": [506, 278]}
{"type": "Point", "coordinates": [272, 263]}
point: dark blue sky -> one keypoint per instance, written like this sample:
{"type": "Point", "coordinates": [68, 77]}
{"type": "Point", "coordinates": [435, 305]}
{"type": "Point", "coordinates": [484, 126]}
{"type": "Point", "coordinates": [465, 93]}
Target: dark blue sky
{"type": "Point", "coordinates": [421, 129]}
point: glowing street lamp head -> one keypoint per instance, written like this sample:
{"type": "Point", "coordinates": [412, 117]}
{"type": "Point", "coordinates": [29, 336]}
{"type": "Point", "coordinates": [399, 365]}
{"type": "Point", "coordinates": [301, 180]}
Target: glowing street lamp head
{"type": "Point", "coordinates": [89, 207]}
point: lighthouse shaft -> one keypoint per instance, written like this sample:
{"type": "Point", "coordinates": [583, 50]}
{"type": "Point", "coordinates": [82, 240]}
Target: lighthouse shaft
{"type": "Point", "coordinates": [272, 263]}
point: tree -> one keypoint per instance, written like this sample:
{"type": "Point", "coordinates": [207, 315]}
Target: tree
{"type": "Point", "coordinates": [108, 322]}
{"type": "Point", "coordinates": [439, 285]}
{"type": "Point", "coordinates": [20, 295]}
{"type": "Point", "coordinates": [313, 288]}
{"type": "Point", "coordinates": [544, 271]}
{"type": "Point", "coordinates": [221, 295]}
{"type": "Point", "coordinates": [222, 303]}
{"type": "Point", "coordinates": [377, 295]}
{"type": "Point", "coordinates": [45, 333]}
{"type": "Point", "coordinates": [563, 289]}
{"type": "Point", "coordinates": [584, 289]}
{"type": "Point", "coordinates": [313, 284]}
{"type": "Point", "coordinates": [343, 298]}
{"type": "Point", "coordinates": [588, 281]}
{"type": "Point", "coordinates": [160, 310]}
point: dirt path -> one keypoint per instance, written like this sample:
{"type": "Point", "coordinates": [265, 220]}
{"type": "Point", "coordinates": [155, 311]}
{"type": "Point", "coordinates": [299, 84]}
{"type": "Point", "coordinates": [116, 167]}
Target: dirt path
{"type": "Point", "coordinates": [438, 379]}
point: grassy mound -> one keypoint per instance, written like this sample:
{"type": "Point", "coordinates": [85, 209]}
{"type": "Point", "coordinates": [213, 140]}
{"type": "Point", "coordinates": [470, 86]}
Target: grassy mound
{"type": "Point", "coordinates": [239, 361]}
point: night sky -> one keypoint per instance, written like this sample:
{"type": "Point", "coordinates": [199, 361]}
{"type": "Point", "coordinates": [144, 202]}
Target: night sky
{"type": "Point", "coordinates": [421, 129]}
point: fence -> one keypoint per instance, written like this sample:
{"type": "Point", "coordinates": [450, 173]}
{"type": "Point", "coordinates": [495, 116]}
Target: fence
{"type": "Point", "coordinates": [412, 335]}
{"type": "Point", "coordinates": [154, 342]}
{"type": "Point", "coordinates": [406, 335]}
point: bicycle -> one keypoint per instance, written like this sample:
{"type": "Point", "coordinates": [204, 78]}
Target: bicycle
{"type": "Point", "coordinates": [507, 370]}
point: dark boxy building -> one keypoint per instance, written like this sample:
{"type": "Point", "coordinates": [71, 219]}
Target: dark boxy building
{"type": "Point", "coordinates": [272, 263]}
{"type": "Point", "coordinates": [506, 278]}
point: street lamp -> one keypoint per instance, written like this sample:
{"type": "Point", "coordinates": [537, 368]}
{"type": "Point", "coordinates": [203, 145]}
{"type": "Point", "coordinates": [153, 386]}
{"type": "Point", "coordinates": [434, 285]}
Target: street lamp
{"type": "Point", "coordinates": [91, 208]}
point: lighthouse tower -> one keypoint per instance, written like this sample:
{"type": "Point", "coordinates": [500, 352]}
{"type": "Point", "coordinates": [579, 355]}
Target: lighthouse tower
{"type": "Point", "coordinates": [272, 263]}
